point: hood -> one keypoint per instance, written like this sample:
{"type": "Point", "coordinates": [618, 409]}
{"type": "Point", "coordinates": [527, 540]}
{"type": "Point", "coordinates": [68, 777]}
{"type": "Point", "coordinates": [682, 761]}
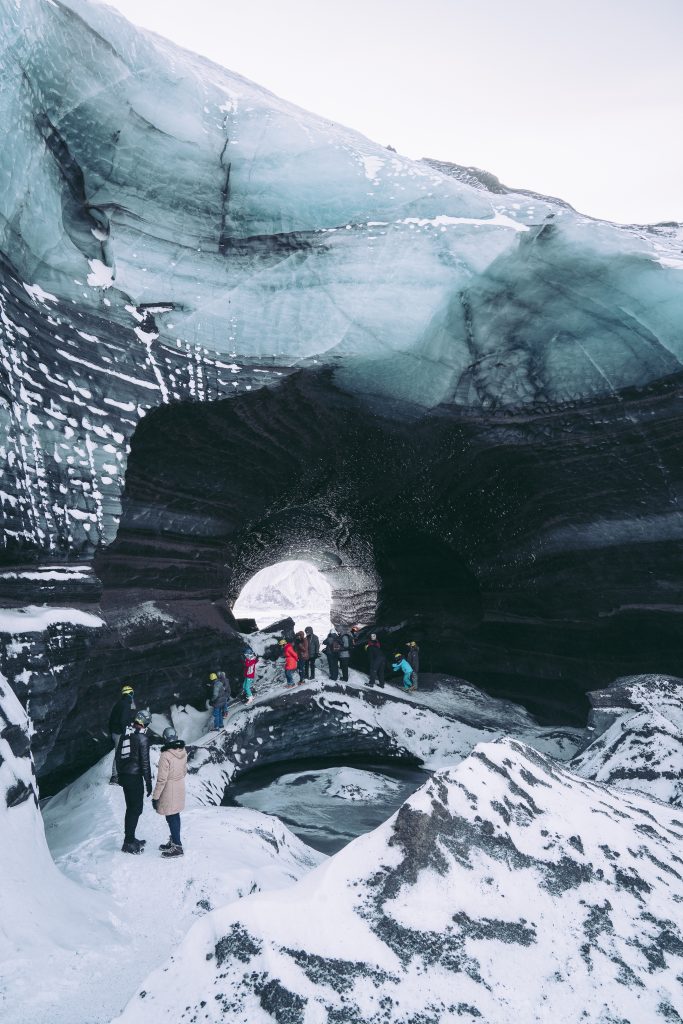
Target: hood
{"type": "Point", "coordinates": [175, 746]}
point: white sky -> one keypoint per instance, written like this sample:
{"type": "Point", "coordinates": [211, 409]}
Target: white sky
{"type": "Point", "coordinates": [582, 99]}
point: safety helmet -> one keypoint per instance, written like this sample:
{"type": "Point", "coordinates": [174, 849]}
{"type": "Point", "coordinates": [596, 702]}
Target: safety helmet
{"type": "Point", "coordinates": [282, 642]}
{"type": "Point", "coordinates": [411, 643]}
{"type": "Point", "coordinates": [170, 734]}
{"type": "Point", "coordinates": [373, 636]}
{"type": "Point", "coordinates": [212, 677]}
{"type": "Point", "coordinates": [143, 718]}
{"type": "Point", "coordinates": [126, 689]}
{"type": "Point", "coordinates": [398, 655]}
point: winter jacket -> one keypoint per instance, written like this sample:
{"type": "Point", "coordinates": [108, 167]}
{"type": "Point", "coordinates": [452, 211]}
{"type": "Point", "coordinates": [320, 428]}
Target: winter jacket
{"type": "Point", "coordinates": [170, 787]}
{"type": "Point", "coordinates": [375, 653]}
{"type": "Point", "coordinates": [121, 714]}
{"type": "Point", "coordinates": [413, 658]}
{"type": "Point", "coordinates": [132, 755]}
{"type": "Point", "coordinates": [250, 666]}
{"type": "Point", "coordinates": [402, 666]}
{"type": "Point", "coordinates": [291, 657]}
{"type": "Point", "coordinates": [302, 647]}
{"type": "Point", "coordinates": [313, 646]}
{"type": "Point", "coordinates": [219, 694]}
{"type": "Point", "coordinates": [346, 645]}
{"type": "Point", "coordinates": [332, 644]}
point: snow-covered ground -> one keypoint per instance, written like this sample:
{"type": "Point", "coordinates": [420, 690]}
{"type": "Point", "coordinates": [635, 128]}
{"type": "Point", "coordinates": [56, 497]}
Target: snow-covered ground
{"type": "Point", "coordinates": [505, 890]}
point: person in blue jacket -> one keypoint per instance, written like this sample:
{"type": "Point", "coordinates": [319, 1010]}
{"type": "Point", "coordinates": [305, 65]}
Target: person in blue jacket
{"type": "Point", "coordinates": [401, 665]}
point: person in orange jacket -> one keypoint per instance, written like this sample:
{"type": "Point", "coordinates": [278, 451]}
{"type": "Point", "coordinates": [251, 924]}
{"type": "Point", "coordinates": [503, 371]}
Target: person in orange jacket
{"type": "Point", "coordinates": [291, 661]}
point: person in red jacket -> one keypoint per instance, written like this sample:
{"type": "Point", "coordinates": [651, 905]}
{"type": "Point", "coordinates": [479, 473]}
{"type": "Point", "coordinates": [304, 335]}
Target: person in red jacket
{"type": "Point", "coordinates": [291, 661]}
{"type": "Point", "coordinates": [250, 661]}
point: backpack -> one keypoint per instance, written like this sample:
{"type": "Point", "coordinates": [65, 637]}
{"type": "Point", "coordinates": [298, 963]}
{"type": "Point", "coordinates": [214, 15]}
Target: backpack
{"type": "Point", "coordinates": [336, 645]}
{"type": "Point", "coordinates": [124, 750]}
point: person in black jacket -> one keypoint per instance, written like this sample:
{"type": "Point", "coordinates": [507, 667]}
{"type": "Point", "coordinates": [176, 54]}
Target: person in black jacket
{"type": "Point", "coordinates": [313, 652]}
{"type": "Point", "coordinates": [376, 661]}
{"type": "Point", "coordinates": [413, 659]}
{"type": "Point", "coordinates": [135, 775]}
{"type": "Point", "coordinates": [121, 716]}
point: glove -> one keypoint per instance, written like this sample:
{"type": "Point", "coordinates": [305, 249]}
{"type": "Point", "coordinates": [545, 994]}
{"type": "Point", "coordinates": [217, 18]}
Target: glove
{"type": "Point", "coordinates": [155, 805]}
{"type": "Point", "coordinates": [149, 791]}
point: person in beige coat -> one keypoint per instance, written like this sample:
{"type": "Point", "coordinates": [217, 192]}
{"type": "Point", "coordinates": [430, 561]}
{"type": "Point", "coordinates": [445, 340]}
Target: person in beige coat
{"type": "Point", "coordinates": [168, 797]}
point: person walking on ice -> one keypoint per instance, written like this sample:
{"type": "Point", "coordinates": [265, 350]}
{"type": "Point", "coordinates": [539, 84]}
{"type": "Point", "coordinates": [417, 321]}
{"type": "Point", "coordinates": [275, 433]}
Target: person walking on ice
{"type": "Point", "coordinates": [250, 662]}
{"type": "Point", "coordinates": [168, 797]}
{"type": "Point", "coordinates": [219, 699]}
{"type": "Point", "coordinates": [376, 661]}
{"type": "Point", "coordinates": [313, 652]}
{"type": "Point", "coordinates": [401, 665]}
{"type": "Point", "coordinates": [135, 775]}
{"type": "Point", "coordinates": [332, 647]}
{"type": "Point", "coordinates": [413, 659]}
{"type": "Point", "coordinates": [291, 661]}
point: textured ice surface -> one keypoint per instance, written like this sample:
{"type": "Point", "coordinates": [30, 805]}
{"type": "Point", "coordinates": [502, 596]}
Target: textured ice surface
{"type": "Point", "coordinates": [505, 890]}
{"type": "Point", "coordinates": [169, 230]}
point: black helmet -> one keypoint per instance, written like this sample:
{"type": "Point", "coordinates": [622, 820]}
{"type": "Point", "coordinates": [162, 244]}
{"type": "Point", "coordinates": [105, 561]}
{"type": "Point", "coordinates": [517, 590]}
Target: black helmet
{"type": "Point", "coordinates": [170, 734]}
{"type": "Point", "coordinates": [143, 718]}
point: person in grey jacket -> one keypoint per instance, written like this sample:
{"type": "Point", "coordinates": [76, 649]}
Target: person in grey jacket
{"type": "Point", "coordinates": [313, 652]}
{"type": "Point", "coordinates": [413, 659]}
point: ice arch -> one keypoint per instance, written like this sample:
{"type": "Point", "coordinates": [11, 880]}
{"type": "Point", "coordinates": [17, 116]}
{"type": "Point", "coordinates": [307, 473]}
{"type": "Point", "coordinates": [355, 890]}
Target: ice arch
{"type": "Point", "coordinates": [292, 588]}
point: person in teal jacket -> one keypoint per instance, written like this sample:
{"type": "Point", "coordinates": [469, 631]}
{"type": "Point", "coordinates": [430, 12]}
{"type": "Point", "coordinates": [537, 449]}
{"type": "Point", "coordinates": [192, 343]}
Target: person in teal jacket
{"type": "Point", "coordinates": [401, 665]}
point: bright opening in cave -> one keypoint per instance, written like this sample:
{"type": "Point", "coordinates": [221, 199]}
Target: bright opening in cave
{"type": "Point", "coordinates": [291, 588]}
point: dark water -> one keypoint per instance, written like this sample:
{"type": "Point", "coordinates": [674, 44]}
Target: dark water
{"type": "Point", "coordinates": [313, 797]}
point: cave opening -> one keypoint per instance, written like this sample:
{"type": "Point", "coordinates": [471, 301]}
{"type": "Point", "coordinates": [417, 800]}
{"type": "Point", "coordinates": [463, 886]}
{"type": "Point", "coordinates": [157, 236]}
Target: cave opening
{"type": "Point", "coordinates": [293, 589]}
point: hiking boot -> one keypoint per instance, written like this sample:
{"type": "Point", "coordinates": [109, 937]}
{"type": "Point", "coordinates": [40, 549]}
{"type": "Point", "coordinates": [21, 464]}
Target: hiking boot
{"type": "Point", "coordinates": [114, 780]}
{"type": "Point", "coordinates": [141, 843]}
{"type": "Point", "coordinates": [173, 851]}
{"type": "Point", "coordinates": [131, 848]}
{"type": "Point", "coordinates": [166, 846]}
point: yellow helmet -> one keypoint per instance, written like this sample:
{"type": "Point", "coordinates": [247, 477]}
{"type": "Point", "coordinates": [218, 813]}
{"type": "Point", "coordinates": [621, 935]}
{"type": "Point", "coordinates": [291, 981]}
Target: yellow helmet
{"type": "Point", "coordinates": [126, 689]}
{"type": "Point", "coordinates": [411, 643]}
{"type": "Point", "coordinates": [282, 643]}
{"type": "Point", "coordinates": [212, 677]}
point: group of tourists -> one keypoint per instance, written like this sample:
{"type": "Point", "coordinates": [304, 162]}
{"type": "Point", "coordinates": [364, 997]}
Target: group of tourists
{"type": "Point", "coordinates": [132, 771]}
{"type": "Point", "coordinates": [128, 726]}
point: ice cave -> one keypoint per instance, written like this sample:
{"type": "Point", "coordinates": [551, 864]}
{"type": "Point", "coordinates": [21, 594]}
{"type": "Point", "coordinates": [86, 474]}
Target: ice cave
{"type": "Point", "coordinates": [258, 373]}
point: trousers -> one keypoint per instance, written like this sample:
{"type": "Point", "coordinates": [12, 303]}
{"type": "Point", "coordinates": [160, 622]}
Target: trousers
{"type": "Point", "coordinates": [173, 822]}
{"type": "Point", "coordinates": [133, 787]}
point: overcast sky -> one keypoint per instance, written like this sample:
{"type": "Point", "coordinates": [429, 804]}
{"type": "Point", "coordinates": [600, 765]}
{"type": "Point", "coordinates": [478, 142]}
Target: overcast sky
{"type": "Point", "coordinates": [581, 99]}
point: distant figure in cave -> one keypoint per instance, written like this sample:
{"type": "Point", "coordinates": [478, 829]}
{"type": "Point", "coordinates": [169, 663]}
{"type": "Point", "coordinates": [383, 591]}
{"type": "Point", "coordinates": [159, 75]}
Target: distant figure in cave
{"type": "Point", "coordinates": [413, 659]}
{"type": "Point", "coordinates": [376, 661]}
{"type": "Point", "coordinates": [168, 797]}
{"type": "Point", "coordinates": [120, 717]}
{"type": "Point", "coordinates": [313, 652]}
{"type": "Point", "coordinates": [401, 665]}
{"type": "Point", "coordinates": [226, 690]}
{"type": "Point", "coordinates": [332, 647]}
{"type": "Point", "coordinates": [301, 644]}
{"type": "Point", "coordinates": [291, 660]}
{"type": "Point", "coordinates": [250, 662]}
{"type": "Point", "coordinates": [219, 698]}
{"type": "Point", "coordinates": [347, 640]}
{"type": "Point", "coordinates": [135, 775]}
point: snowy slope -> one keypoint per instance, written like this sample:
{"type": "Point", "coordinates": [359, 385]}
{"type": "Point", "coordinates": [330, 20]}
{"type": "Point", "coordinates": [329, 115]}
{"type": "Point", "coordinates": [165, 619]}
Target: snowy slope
{"type": "Point", "coordinates": [639, 743]}
{"type": "Point", "coordinates": [505, 890]}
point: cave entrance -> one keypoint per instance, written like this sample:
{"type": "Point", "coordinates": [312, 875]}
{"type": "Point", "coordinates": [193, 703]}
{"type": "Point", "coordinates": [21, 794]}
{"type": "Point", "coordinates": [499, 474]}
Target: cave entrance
{"type": "Point", "coordinates": [291, 588]}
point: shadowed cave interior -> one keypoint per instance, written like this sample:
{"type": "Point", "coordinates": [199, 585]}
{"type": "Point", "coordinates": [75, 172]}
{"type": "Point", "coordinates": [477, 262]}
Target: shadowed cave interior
{"type": "Point", "coordinates": [430, 528]}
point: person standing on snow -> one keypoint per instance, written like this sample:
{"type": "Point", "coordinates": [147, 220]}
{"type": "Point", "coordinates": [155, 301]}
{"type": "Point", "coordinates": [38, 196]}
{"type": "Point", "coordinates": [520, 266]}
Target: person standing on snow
{"type": "Point", "coordinates": [218, 699]}
{"type": "Point", "coordinates": [376, 661]}
{"type": "Point", "coordinates": [250, 662]}
{"type": "Point", "coordinates": [301, 645]}
{"type": "Point", "coordinates": [135, 775]}
{"type": "Point", "coordinates": [313, 652]}
{"type": "Point", "coordinates": [226, 691]}
{"type": "Point", "coordinates": [332, 648]}
{"type": "Point", "coordinates": [347, 641]}
{"type": "Point", "coordinates": [413, 659]}
{"type": "Point", "coordinates": [168, 797]}
{"type": "Point", "coordinates": [120, 717]}
{"type": "Point", "coordinates": [401, 665]}
{"type": "Point", "coordinates": [291, 661]}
